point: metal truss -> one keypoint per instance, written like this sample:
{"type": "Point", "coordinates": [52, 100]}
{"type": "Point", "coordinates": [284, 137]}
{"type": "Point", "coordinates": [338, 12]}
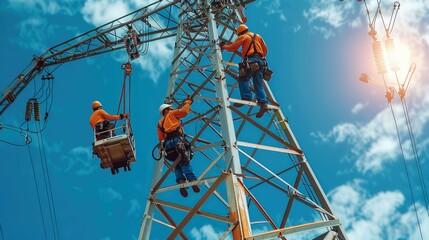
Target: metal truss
{"type": "Point", "coordinates": [153, 22]}
{"type": "Point", "coordinates": [258, 183]}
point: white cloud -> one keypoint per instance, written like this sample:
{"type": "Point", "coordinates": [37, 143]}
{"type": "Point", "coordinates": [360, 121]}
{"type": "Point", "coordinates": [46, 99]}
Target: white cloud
{"type": "Point", "coordinates": [135, 208]}
{"type": "Point", "coordinates": [297, 28]}
{"type": "Point", "coordinates": [379, 215]}
{"type": "Point", "coordinates": [358, 107]}
{"type": "Point", "coordinates": [274, 7]}
{"type": "Point", "coordinates": [36, 29]}
{"type": "Point", "coordinates": [158, 58]}
{"type": "Point", "coordinates": [327, 32]}
{"type": "Point", "coordinates": [142, 3]}
{"type": "Point", "coordinates": [160, 52]}
{"type": "Point", "coordinates": [327, 11]}
{"type": "Point", "coordinates": [108, 194]}
{"type": "Point", "coordinates": [80, 160]}
{"type": "Point", "coordinates": [206, 232]}
{"type": "Point", "coordinates": [376, 143]}
{"type": "Point", "coordinates": [43, 7]}
{"type": "Point", "coordinates": [327, 15]}
{"type": "Point", "coordinates": [99, 12]}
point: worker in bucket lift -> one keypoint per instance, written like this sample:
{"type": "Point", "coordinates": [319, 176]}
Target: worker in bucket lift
{"type": "Point", "coordinates": [99, 121]}
{"type": "Point", "coordinates": [172, 139]}
{"type": "Point", "coordinates": [253, 52]}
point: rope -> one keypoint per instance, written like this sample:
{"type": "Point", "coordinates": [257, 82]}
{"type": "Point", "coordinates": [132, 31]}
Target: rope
{"type": "Point", "coordinates": [129, 94]}
{"type": "Point", "coordinates": [406, 170]}
{"type": "Point", "coordinates": [122, 95]}
{"type": "Point", "coordinates": [127, 72]}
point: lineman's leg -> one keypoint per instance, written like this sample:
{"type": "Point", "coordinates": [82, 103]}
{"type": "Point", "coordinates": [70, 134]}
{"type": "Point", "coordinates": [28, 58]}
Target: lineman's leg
{"type": "Point", "coordinates": [180, 179]}
{"type": "Point", "coordinates": [243, 84]}
{"type": "Point", "coordinates": [258, 83]}
{"type": "Point", "coordinates": [190, 175]}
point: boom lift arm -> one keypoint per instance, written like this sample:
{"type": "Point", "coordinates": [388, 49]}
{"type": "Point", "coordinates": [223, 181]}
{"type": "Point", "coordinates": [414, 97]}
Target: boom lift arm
{"type": "Point", "coordinates": [103, 39]}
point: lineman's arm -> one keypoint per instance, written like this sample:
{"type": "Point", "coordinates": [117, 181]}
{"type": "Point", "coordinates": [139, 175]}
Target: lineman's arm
{"type": "Point", "coordinates": [235, 45]}
{"type": "Point", "coordinates": [182, 112]}
{"type": "Point", "coordinates": [110, 117]}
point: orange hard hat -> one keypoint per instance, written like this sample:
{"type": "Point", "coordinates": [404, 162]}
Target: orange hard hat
{"type": "Point", "coordinates": [241, 28]}
{"type": "Point", "coordinates": [96, 104]}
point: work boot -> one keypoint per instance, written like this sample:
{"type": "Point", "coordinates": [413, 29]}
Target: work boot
{"type": "Point", "coordinates": [196, 188]}
{"type": "Point", "coordinates": [262, 110]}
{"type": "Point", "coordinates": [183, 191]}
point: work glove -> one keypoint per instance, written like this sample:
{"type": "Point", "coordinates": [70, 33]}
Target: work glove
{"type": "Point", "coordinates": [123, 115]}
{"type": "Point", "coordinates": [189, 99]}
{"type": "Point", "coordinates": [221, 44]}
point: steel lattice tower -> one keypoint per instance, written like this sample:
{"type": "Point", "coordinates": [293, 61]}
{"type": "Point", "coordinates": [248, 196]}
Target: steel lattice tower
{"type": "Point", "coordinates": [256, 182]}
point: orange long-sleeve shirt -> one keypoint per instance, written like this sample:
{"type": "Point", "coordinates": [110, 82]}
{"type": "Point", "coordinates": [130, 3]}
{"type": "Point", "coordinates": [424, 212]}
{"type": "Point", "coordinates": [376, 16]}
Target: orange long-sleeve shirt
{"type": "Point", "coordinates": [101, 115]}
{"type": "Point", "coordinates": [172, 120]}
{"type": "Point", "coordinates": [244, 42]}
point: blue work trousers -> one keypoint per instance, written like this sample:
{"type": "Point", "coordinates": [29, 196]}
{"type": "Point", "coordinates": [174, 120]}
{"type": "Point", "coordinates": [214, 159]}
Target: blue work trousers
{"type": "Point", "coordinates": [258, 83]}
{"type": "Point", "coordinates": [183, 171]}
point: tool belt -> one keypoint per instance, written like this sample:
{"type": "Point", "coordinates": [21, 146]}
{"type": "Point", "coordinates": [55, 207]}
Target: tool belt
{"type": "Point", "coordinates": [173, 134]}
{"type": "Point", "coordinates": [176, 144]}
{"type": "Point", "coordinates": [247, 67]}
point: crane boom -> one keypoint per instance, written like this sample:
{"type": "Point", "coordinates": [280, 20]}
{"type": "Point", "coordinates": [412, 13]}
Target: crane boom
{"type": "Point", "coordinates": [106, 38]}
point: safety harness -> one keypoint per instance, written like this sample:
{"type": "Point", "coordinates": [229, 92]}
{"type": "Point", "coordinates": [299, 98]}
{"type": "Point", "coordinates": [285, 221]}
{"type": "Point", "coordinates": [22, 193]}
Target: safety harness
{"type": "Point", "coordinates": [169, 135]}
{"type": "Point", "coordinates": [248, 66]}
{"type": "Point", "coordinates": [175, 143]}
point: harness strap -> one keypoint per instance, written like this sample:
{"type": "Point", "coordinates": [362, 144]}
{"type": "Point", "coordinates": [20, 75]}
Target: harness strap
{"type": "Point", "coordinates": [171, 134]}
{"type": "Point", "coordinates": [252, 43]}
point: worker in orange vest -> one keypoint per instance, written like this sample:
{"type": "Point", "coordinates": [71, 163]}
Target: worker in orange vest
{"type": "Point", "coordinates": [171, 137]}
{"type": "Point", "coordinates": [253, 52]}
{"type": "Point", "coordinates": [99, 120]}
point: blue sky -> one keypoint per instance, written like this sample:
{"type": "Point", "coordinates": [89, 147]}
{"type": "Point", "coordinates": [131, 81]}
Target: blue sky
{"type": "Point", "coordinates": [317, 49]}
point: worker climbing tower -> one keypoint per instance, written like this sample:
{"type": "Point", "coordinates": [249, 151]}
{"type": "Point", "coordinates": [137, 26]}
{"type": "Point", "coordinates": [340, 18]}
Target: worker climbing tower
{"type": "Point", "coordinates": [256, 181]}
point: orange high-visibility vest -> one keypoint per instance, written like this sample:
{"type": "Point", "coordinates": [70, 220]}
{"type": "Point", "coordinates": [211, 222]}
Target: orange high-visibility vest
{"type": "Point", "coordinates": [171, 121]}
{"type": "Point", "coordinates": [100, 115]}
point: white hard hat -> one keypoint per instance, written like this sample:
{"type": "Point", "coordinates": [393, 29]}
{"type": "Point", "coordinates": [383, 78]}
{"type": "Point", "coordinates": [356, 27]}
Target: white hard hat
{"type": "Point", "coordinates": [163, 107]}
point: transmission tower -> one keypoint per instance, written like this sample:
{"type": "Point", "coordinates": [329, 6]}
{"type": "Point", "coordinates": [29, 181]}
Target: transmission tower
{"type": "Point", "coordinates": [256, 182]}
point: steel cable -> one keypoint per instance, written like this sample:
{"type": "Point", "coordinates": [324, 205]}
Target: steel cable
{"type": "Point", "coordinates": [406, 170]}
{"type": "Point", "coordinates": [37, 192]}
